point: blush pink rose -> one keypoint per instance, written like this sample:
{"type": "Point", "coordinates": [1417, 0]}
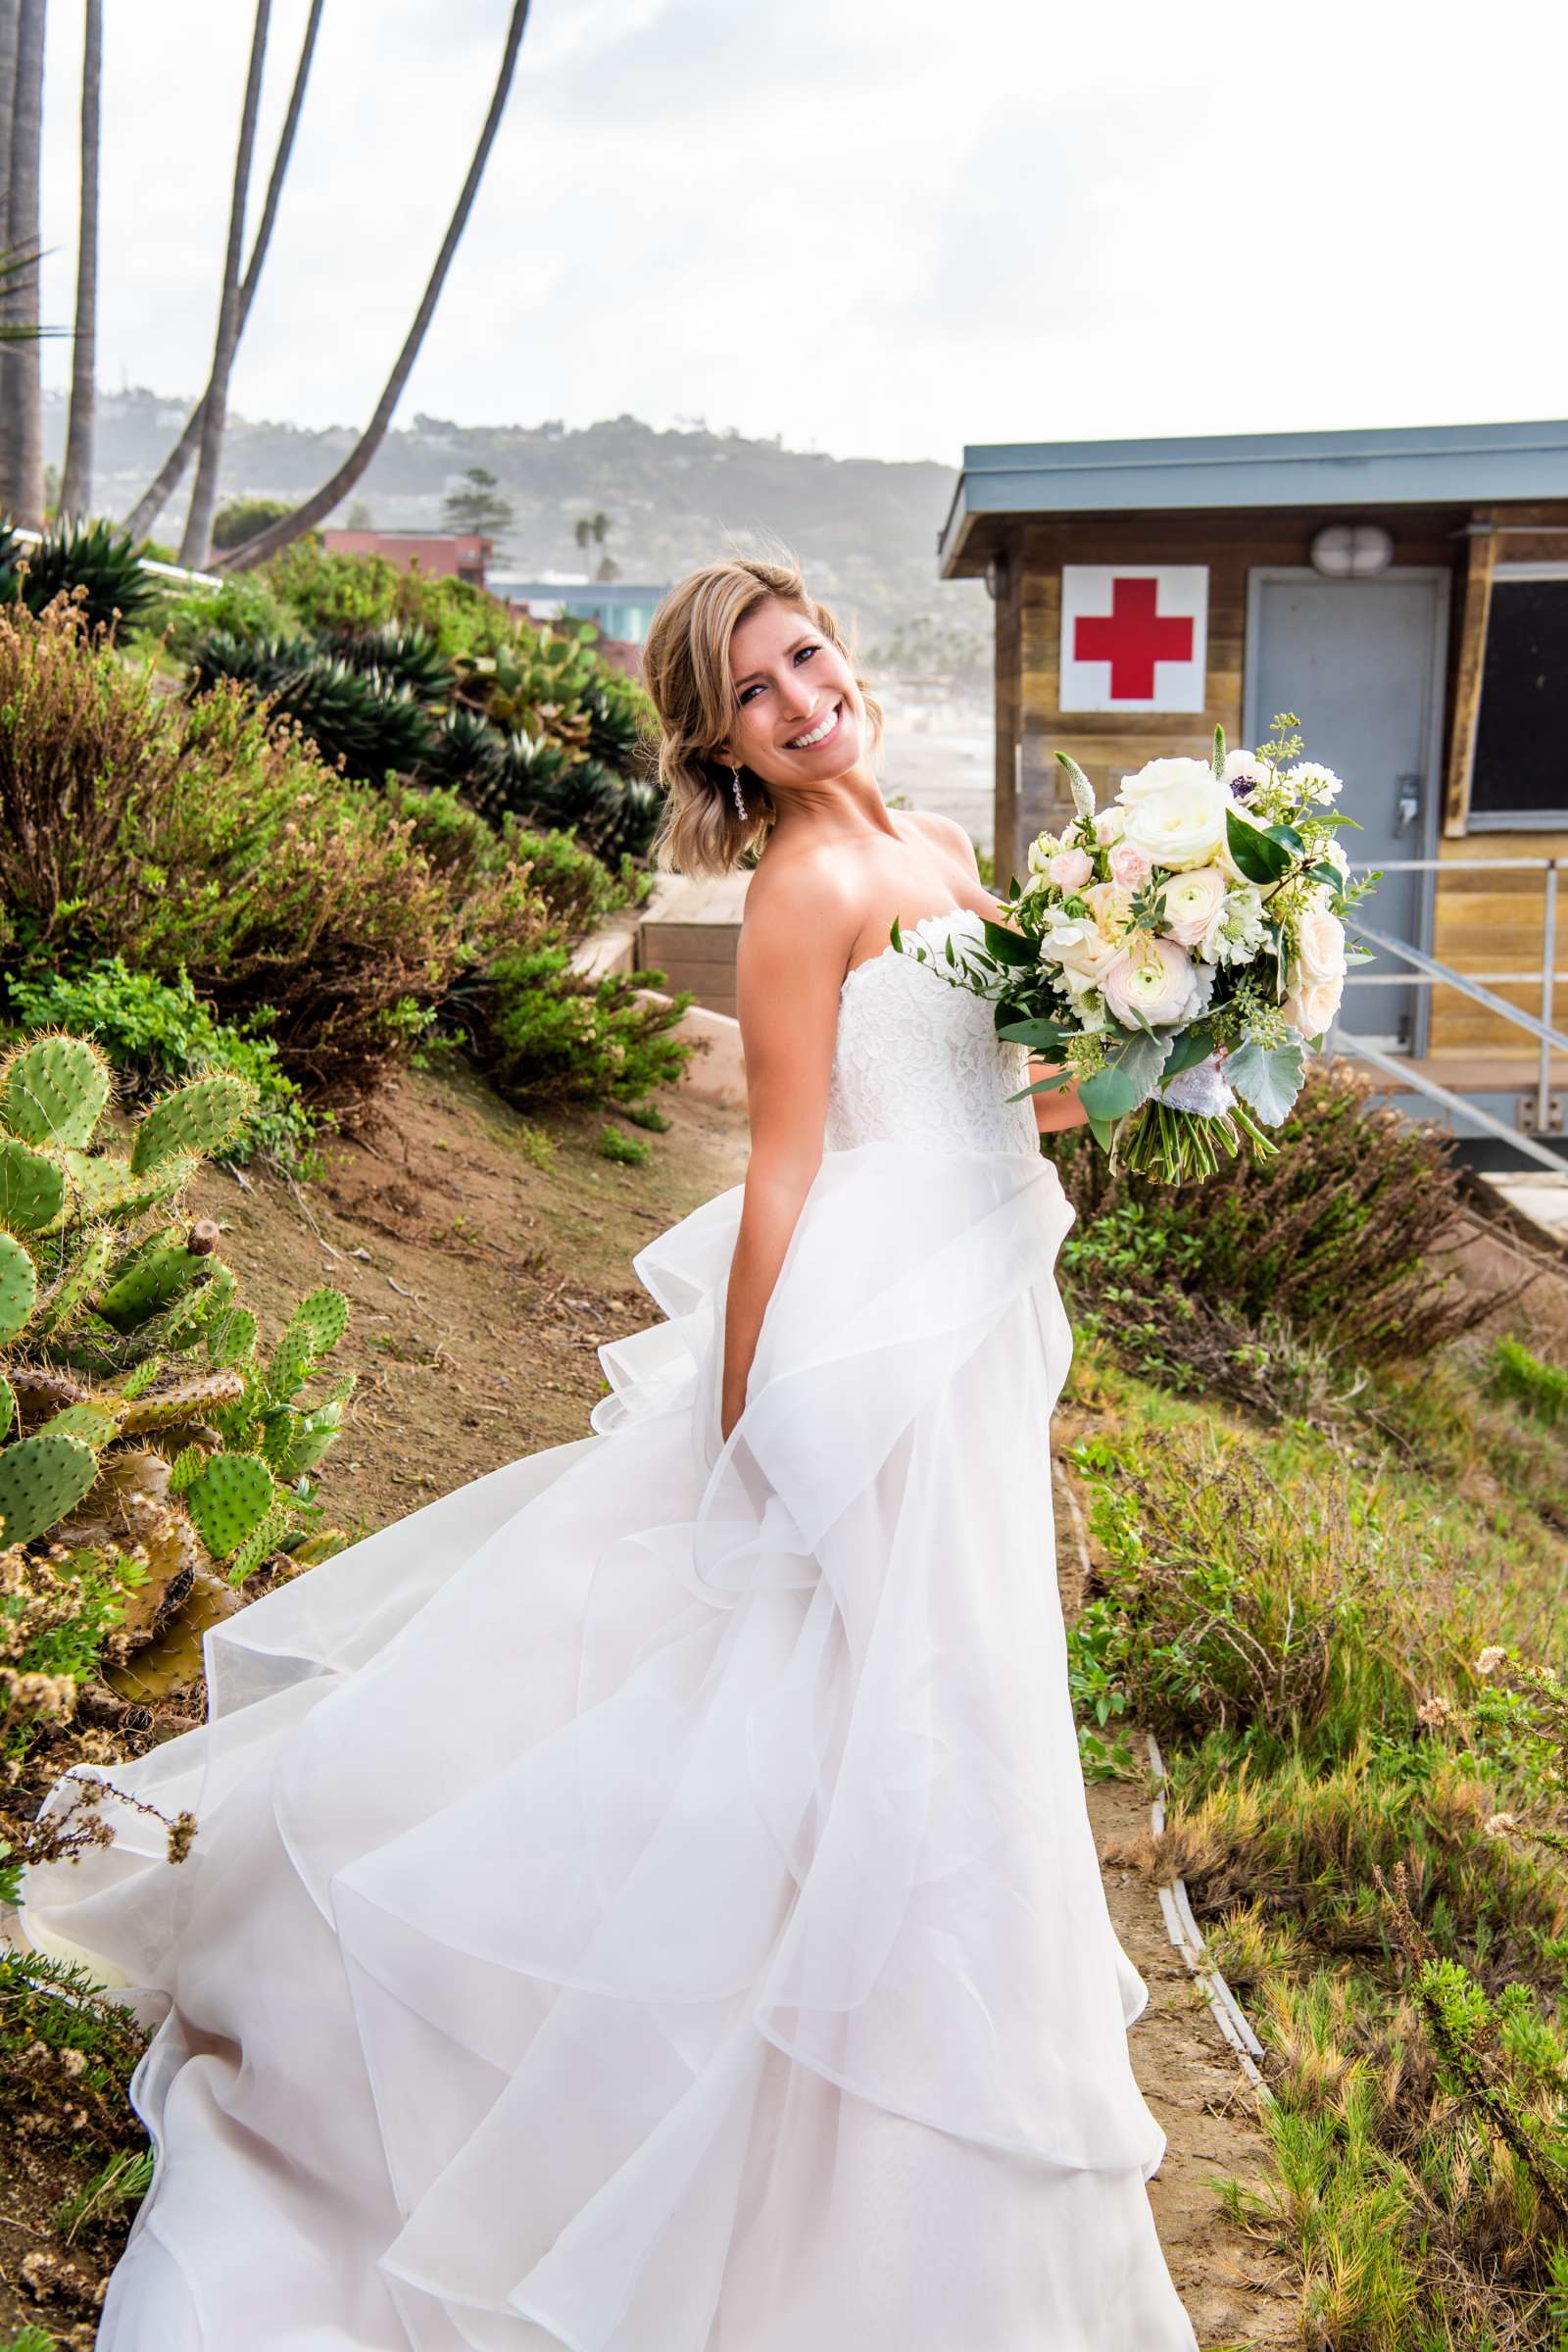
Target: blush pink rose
{"type": "Point", "coordinates": [1130, 865]}
{"type": "Point", "coordinates": [1070, 869]}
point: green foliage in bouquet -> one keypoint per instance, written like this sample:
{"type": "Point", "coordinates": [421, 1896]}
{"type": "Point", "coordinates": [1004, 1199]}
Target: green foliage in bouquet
{"type": "Point", "coordinates": [136, 1412]}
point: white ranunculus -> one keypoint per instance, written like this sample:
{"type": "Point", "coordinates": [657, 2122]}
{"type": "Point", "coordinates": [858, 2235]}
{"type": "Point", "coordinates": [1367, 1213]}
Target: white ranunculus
{"type": "Point", "coordinates": [1159, 776]}
{"type": "Point", "coordinates": [1154, 977]}
{"type": "Point", "coordinates": [1183, 823]}
{"type": "Point", "coordinates": [1194, 903]}
{"type": "Point", "coordinates": [1087, 945]}
{"type": "Point", "coordinates": [1110, 826]}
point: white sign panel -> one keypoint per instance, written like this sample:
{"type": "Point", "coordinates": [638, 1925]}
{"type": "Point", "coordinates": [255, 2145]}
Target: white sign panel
{"type": "Point", "coordinates": [1134, 636]}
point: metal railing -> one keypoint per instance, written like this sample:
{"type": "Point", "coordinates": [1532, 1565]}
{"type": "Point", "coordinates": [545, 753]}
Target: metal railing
{"type": "Point", "coordinates": [1427, 973]}
{"type": "Point", "coordinates": [164, 571]}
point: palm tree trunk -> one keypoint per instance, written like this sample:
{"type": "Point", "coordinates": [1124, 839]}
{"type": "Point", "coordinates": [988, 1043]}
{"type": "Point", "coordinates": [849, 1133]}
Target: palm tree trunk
{"type": "Point", "coordinates": [196, 546]}
{"type": "Point", "coordinates": [76, 481]}
{"type": "Point", "coordinates": [305, 518]}
{"type": "Point", "coordinates": [10, 25]}
{"type": "Point", "coordinates": [20, 383]}
{"type": "Point", "coordinates": [145, 512]}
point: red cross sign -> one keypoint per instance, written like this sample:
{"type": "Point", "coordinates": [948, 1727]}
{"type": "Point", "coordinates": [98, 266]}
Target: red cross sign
{"type": "Point", "coordinates": [1134, 636]}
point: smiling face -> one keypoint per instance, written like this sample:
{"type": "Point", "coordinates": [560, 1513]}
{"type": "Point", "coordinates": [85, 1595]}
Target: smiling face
{"type": "Point", "coordinates": [799, 716]}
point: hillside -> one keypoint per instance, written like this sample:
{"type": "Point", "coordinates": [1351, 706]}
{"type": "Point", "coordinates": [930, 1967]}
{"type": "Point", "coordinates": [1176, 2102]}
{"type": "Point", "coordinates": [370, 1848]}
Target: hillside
{"type": "Point", "coordinates": [864, 530]}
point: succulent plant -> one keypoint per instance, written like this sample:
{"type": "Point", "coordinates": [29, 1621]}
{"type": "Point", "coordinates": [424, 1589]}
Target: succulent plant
{"type": "Point", "coordinates": [122, 1352]}
{"type": "Point", "coordinates": [405, 657]}
{"type": "Point", "coordinates": [79, 555]}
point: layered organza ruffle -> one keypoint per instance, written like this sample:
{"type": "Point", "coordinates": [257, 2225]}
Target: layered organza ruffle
{"type": "Point", "coordinates": [646, 1901]}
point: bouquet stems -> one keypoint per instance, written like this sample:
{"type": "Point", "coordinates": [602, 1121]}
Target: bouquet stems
{"type": "Point", "coordinates": [1177, 1147]}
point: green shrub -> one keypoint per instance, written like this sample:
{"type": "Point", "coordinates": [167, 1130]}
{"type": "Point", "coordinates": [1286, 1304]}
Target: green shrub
{"type": "Point", "coordinates": [83, 736]}
{"type": "Point", "coordinates": [1336, 1239]}
{"type": "Point", "coordinates": [541, 1033]}
{"type": "Point", "coordinates": [245, 607]}
{"type": "Point", "coordinates": [271, 880]}
{"type": "Point", "coordinates": [1541, 1388]}
{"type": "Point", "coordinates": [629, 1148]}
{"type": "Point", "coordinates": [153, 1029]}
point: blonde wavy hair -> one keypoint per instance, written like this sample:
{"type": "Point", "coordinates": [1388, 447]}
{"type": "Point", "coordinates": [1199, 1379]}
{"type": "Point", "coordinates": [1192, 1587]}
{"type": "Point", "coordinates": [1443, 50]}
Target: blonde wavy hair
{"type": "Point", "coordinates": [686, 669]}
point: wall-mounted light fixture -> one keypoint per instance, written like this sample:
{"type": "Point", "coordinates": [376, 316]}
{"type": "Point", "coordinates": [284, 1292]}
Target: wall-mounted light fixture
{"type": "Point", "coordinates": [1351, 551]}
{"type": "Point", "coordinates": [997, 576]}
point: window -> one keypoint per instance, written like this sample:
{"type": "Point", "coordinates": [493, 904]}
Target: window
{"type": "Point", "coordinates": [1521, 767]}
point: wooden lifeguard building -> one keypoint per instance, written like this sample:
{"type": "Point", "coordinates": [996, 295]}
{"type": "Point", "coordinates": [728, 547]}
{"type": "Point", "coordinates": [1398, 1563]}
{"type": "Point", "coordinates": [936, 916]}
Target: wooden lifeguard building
{"type": "Point", "coordinates": [1406, 593]}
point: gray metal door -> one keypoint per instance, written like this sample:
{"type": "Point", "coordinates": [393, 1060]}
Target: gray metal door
{"type": "Point", "coordinates": [1361, 664]}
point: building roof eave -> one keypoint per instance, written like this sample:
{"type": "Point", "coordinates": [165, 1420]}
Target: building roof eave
{"type": "Point", "coordinates": [1385, 466]}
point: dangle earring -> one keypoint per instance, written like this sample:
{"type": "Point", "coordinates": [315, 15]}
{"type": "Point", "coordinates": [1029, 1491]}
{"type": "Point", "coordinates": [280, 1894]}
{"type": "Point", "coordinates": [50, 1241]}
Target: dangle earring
{"type": "Point", "coordinates": [735, 786]}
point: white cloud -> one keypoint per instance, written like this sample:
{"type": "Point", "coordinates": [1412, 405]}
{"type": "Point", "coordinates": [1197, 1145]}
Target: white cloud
{"type": "Point", "coordinates": [887, 229]}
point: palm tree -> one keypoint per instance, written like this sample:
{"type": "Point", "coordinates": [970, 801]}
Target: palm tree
{"type": "Point", "coordinates": [10, 19]}
{"type": "Point", "coordinates": [21, 386]}
{"type": "Point", "coordinates": [196, 544]}
{"type": "Point", "coordinates": [331, 493]}
{"type": "Point", "coordinates": [145, 512]}
{"type": "Point", "coordinates": [76, 482]}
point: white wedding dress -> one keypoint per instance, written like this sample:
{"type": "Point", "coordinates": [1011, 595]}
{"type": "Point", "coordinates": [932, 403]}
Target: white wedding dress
{"type": "Point", "coordinates": [646, 1901]}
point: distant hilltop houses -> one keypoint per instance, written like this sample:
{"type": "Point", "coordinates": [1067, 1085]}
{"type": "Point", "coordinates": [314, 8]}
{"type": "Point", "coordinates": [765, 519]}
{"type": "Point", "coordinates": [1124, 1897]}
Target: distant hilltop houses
{"type": "Point", "coordinates": [621, 610]}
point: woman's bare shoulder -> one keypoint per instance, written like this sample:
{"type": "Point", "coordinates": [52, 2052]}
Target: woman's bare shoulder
{"type": "Point", "coordinates": [801, 897]}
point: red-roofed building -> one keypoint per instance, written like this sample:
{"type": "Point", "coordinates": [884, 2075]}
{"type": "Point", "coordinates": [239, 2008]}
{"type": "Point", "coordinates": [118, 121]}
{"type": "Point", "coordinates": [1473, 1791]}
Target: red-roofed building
{"type": "Point", "coordinates": [442, 554]}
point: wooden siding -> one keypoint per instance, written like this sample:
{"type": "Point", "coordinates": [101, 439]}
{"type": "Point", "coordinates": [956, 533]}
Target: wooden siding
{"type": "Point", "coordinates": [1488, 923]}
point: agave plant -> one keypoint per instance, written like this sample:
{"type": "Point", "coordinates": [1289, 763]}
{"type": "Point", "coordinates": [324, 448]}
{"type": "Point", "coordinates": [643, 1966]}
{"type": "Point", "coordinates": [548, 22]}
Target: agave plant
{"type": "Point", "coordinates": [78, 554]}
{"type": "Point", "coordinates": [408, 658]}
{"type": "Point", "coordinates": [369, 720]}
{"type": "Point", "coordinates": [136, 1409]}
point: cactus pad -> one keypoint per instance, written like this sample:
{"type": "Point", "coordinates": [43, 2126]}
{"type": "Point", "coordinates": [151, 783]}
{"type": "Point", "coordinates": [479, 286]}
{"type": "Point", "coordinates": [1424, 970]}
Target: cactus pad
{"type": "Point", "coordinates": [258, 1545]}
{"type": "Point", "coordinates": [198, 1118]}
{"type": "Point", "coordinates": [77, 1287]}
{"type": "Point", "coordinates": [323, 1316]}
{"type": "Point", "coordinates": [7, 1408]}
{"type": "Point", "coordinates": [232, 1337]}
{"type": "Point", "coordinates": [18, 1287]}
{"type": "Point", "coordinates": [154, 1276]}
{"type": "Point", "coordinates": [107, 1188]}
{"type": "Point", "coordinates": [41, 1480]}
{"type": "Point", "coordinates": [84, 1421]}
{"type": "Point", "coordinates": [54, 1091]}
{"type": "Point", "coordinates": [231, 1497]}
{"type": "Point", "coordinates": [32, 1187]}
{"type": "Point", "coordinates": [186, 1401]}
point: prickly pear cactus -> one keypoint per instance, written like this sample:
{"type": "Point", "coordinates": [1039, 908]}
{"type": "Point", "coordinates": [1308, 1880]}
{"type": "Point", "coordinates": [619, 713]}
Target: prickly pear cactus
{"type": "Point", "coordinates": [54, 1091]}
{"type": "Point", "coordinates": [136, 1412]}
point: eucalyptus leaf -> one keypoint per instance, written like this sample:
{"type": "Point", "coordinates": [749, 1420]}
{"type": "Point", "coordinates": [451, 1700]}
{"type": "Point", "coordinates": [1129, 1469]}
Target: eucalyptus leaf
{"type": "Point", "coordinates": [1043, 1085]}
{"type": "Point", "coordinates": [1127, 1077]}
{"type": "Point", "coordinates": [1194, 1046]}
{"type": "Point", "coordinates": [1100, 1130]}
{"type": "Point", "coordinates": [1044, 1036]}
{"type": "Point", "coordinates": [1268, 1078]}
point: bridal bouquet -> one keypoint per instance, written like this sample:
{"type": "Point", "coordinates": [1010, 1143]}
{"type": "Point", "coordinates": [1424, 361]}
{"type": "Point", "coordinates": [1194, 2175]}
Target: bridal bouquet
{"type": "Point", "coordinates": [1179, 951]}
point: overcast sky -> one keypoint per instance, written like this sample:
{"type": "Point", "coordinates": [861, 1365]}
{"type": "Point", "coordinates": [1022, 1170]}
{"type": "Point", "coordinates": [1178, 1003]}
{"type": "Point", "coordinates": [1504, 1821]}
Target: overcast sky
{"type": "Point", "coordinates": [876, 228]}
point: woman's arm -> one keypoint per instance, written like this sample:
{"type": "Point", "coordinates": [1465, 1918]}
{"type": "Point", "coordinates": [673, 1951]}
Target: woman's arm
{"type": "Point", "coordinates": [788, 967]}
{"type": "Point", "coordinates": [1060, 1106]}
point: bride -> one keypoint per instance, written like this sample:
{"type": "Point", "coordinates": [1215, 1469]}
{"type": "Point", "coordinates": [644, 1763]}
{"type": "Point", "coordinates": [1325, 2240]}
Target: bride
{"type": "Point", "coordinates": [644, 1902]}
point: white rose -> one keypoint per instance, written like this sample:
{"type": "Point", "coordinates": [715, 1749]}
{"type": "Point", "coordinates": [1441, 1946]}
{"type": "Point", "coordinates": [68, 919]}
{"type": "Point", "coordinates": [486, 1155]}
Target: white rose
{"type": "Point", "coordinates": [1193, 904]}
{"type": "Point", "coordinates": [1158, 775]}
{"type": "Point", "coordinates": [1070, 869]}
{"type": "Point", "coordinates": [1316, 978]}
{"type": "Point", "coordinates": [1088, 946]}
{"type": "Point", "coordinates": [1183, 823]}
{"type": "Point", "coordinates": [1154, 977]}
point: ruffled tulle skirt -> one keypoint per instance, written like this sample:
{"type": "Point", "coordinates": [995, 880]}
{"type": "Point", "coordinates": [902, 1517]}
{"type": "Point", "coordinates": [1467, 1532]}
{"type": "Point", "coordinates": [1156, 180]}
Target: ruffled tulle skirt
{"type": "Point", "coordinates": [646, 1901]}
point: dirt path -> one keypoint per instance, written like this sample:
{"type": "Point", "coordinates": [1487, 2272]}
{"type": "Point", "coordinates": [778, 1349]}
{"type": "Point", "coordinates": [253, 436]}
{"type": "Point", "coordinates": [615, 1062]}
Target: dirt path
{"type": "Point", "coordinates": [1238, 2294]}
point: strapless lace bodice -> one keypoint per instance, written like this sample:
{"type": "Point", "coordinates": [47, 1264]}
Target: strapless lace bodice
{"type": "Point", "coordinates": [918, 1059]}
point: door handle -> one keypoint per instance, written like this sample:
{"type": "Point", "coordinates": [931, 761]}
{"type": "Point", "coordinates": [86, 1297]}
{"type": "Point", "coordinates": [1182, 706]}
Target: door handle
{"type": "Point", "coordinates": [1408, 804]}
